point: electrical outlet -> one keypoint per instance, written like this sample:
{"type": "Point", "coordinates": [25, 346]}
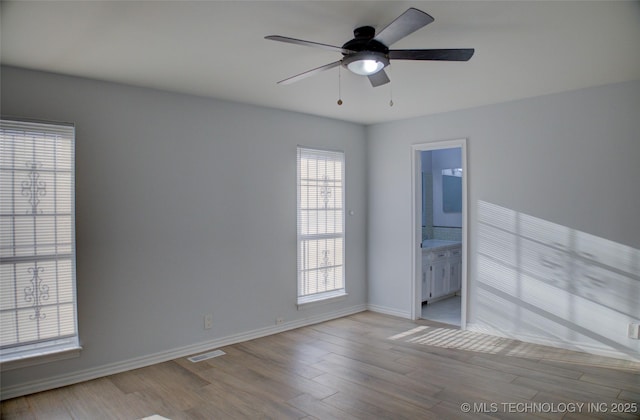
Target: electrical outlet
{"type": "Point", "coordinates": [279, 320]}
{"type": "Point", "coordinates": [208, 321]}
{"type": "Point", "coordinates": [634, 331]}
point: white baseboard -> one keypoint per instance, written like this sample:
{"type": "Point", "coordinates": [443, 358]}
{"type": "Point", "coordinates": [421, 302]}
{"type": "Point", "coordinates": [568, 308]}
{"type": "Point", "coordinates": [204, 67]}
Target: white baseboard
{"type": "Point", "coordinates": [389, 311]}
{"type": "Point", "coordinates": [151, 359]}
{"type": "Point", "coordinates": [549, 341]}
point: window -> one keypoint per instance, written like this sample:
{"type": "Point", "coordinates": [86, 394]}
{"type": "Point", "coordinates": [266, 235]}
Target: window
{"type": "Point", "coordinates": [37, 241]}
{"type": "Point", "coordinates": [320, 225]}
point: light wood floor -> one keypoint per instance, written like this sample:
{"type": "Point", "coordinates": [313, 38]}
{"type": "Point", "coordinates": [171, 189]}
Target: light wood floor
{"type": "Point", "coordinates": [366, 366]}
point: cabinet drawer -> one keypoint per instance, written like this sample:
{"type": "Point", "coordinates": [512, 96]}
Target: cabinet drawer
{"type": "Point", "coordinates": [438, 255]}
{"type": "Point", "coordinates": [456, 252]}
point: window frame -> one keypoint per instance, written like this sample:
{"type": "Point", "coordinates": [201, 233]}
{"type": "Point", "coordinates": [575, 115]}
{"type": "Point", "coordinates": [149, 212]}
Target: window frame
{"type": "Point", "coordinates": [335, 294]}
{"type": "Point", "coordinates": [64, 345]}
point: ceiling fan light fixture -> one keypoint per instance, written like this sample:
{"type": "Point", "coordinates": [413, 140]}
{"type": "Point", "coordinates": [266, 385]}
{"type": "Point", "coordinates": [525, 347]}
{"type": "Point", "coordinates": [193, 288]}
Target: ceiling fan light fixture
{"type": "Point", "coordinates": [365, 67]}
{"type": "Point", "coordinates": [365, 64]}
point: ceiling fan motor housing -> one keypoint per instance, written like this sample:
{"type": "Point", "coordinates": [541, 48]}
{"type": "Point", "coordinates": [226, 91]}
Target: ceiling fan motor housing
{"type": "Point", "coordinates": [364, 41]}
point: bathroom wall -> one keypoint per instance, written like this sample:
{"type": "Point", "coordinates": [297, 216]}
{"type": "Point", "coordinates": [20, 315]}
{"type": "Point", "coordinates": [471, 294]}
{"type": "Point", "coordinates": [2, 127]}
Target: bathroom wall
{"type": "Point", "coordinates": [436, 223]}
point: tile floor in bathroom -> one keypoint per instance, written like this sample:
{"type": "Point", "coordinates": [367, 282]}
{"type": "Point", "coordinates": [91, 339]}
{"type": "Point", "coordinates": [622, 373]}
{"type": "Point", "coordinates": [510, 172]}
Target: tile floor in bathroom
{"type": "Point", "coordinates": [446, 311]}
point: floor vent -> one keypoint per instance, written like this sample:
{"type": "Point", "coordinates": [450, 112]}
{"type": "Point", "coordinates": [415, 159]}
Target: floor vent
{"type": "Point", "coordinates": [205, 356]}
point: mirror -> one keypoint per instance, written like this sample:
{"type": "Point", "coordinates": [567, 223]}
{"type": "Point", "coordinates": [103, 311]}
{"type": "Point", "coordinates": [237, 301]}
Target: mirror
{"type": "Point", "coordinates": [452, 190]}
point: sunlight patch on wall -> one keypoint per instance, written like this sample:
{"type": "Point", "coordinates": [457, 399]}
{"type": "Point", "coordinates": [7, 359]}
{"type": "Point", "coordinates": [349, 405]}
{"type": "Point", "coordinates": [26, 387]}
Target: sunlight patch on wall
{"type": "Point", "coordinates": [545, 280]}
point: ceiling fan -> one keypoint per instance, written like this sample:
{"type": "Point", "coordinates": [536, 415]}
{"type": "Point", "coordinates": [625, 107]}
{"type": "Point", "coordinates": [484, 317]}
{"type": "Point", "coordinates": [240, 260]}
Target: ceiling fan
{"type": "Point", "coordinates": [367, 54]}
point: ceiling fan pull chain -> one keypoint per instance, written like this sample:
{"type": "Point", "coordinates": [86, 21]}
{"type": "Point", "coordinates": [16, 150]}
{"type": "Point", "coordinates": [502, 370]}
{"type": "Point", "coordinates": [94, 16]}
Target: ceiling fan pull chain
{"type": "Point", "coordinates": [339, 86]}
{"type": "Point", "coordinates": [390, 89]}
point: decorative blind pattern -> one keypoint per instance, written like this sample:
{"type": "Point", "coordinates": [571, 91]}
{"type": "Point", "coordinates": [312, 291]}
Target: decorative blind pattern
{"type": "Point", "coordinates": [37, 239]}
{"type": "Point", "coordinates": [320, 223]}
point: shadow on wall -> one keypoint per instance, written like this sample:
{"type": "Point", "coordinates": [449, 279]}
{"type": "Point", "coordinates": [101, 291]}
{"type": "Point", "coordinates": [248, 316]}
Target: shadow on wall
{"type": "Point", "coordinates": [540, 281]}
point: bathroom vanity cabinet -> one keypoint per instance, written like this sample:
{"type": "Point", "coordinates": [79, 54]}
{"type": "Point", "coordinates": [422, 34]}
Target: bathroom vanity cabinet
{"type": "Point", "coordinates": [441, 269]}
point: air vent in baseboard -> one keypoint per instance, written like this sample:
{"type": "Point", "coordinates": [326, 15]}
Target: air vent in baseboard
{"type": "Point", "coordinates": [205, 356]}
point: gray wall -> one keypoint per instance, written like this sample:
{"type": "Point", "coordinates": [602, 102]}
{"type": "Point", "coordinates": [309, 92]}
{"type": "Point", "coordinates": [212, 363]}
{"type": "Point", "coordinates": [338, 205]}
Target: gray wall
{"type": "Point", "coordinates": [554, 232]}
{"type": "Point", "coordinates": [185, 206]}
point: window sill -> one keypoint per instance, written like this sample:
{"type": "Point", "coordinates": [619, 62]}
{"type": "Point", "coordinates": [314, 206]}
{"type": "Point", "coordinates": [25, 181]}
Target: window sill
{"type": "Point", "coordinates": [324, 298]}
{"type": "Point", "coordinates": [32, 360]}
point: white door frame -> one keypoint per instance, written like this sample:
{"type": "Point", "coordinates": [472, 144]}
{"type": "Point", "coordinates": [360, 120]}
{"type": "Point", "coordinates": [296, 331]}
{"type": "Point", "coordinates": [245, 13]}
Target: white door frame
{"type": "Point", "coordinates": [416, 220]}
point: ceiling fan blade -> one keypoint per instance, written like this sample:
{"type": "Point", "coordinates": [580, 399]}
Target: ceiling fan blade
{"type": "Point", "coordinates": [405, 24]}
{"type": "Point", "coordinates": [379, 78]}
{"type": "Point", "coordinates": [309, 73]}
{"type": "Point", "coordinates": [455, 54]}
{"type": "Point", "coordinates": [308, 43]}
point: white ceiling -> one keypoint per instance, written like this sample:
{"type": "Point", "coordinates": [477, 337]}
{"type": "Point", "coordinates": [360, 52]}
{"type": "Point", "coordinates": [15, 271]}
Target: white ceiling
{"type": "Point", "coordinates": [217, 49]}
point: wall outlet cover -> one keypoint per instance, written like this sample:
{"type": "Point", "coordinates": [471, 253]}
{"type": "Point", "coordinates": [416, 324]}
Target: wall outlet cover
{"type": "Point", "coordinates": [208, 321]}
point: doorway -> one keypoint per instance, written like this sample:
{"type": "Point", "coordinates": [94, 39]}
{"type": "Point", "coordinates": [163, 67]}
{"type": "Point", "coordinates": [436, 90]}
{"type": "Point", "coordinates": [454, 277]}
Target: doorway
{"type": "Point", "coordinates": [440, 232]}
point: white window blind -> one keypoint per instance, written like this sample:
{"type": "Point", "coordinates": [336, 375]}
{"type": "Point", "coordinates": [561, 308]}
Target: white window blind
{"type": "Point", "coordinates": [37, 240]}
{"type": "Point", "coordinates": [320, 224]}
